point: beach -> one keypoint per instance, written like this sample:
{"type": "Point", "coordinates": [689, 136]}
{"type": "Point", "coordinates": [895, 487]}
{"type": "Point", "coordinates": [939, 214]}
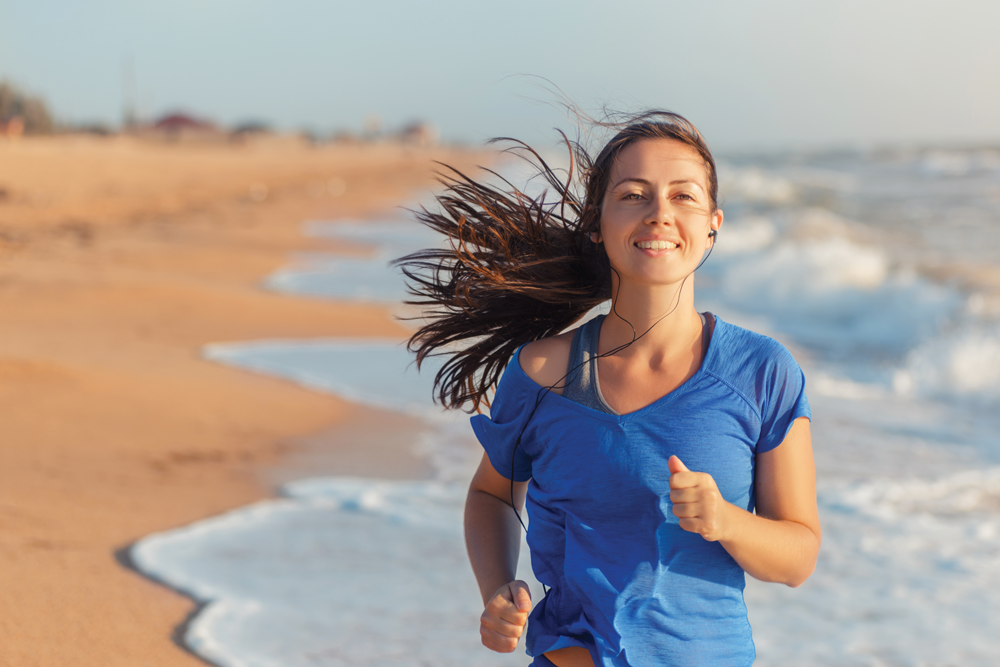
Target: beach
{"type": "Point", "coordinates": [838, 256]}
{"type": "Point", "coordinates": [119, 261]}
{"type": "Point", "coordinates": [213, 391]}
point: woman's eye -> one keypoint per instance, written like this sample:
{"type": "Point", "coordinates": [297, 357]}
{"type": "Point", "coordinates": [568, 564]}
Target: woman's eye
{"type": "Point", "coordinates": [632, 195]}
{"type": "Point", "coordinates": [686, 196]}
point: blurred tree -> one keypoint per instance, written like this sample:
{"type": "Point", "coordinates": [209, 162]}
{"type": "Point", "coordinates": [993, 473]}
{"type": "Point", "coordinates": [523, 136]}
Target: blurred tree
{"type": "Point", "coordinates": [32, 111]}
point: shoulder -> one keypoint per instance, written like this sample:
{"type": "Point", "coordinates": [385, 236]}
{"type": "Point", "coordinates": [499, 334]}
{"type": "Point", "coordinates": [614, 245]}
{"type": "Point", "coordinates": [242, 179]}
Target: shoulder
{"type": "Point", "coordinates": [766, 375]}
{"type": "Point", "coordinates": [755, 365]}
{"type": "Point", "coordinates": [739, 347]}
{"type": "Point", "coordinates": [545, 361]}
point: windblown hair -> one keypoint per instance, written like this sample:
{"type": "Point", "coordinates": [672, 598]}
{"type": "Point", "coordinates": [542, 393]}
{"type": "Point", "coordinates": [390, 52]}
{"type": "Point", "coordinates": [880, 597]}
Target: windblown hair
{"type": "Point", "coordinates": [518, 268]}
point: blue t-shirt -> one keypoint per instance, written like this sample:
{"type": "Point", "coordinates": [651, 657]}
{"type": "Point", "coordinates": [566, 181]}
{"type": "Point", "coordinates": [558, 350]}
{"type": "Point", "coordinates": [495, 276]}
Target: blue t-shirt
{"type": "Point", "coordinates": [625, 580]}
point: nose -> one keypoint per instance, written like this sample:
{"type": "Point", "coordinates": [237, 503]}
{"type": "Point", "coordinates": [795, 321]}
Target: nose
{"type": "Point", "coordinates": [660, 211]}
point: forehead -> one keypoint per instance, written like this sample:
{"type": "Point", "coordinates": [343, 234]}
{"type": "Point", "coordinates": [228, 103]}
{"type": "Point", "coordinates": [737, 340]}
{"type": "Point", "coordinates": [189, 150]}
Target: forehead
{"type": "Point", "coordinates": [658, 159]}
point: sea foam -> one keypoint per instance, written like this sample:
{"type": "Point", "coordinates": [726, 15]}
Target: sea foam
{"type": "Point", "coordinates": [342, 572]}
{"type": "Point", "coordinates": [902, 376]}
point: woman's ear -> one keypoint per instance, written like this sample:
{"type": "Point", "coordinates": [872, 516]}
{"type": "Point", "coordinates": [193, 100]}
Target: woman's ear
{"type": "Point", "coordinates": [595, 237]}
{"type": "Point", "coordinates": [713, 234]}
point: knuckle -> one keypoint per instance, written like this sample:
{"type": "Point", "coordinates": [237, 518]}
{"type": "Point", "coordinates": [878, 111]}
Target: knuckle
{"type": "Point", "coordinates": [490, 622]}
{"type": "Point", "coordinates": [500, 645]}
{"type": "Point", "coordinates": [497, 643]}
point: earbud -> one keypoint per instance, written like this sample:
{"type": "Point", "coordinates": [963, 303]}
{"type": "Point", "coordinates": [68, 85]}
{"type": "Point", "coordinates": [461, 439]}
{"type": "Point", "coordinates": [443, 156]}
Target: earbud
{"type": "Point", "coordinates": [713, 233]}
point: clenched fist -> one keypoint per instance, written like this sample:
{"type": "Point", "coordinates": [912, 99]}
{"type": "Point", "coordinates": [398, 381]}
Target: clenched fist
{"type": "Point", "coordinates": [697, 501]}
{"type": "Point", "coordinates": [505, 616]}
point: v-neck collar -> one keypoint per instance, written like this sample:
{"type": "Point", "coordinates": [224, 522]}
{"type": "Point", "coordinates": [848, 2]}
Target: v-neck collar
{"type": "Point", "coordinates": [706, 360]}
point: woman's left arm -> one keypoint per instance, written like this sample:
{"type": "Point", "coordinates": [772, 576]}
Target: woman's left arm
{"type": "Point", "coordinates": [780, 542]}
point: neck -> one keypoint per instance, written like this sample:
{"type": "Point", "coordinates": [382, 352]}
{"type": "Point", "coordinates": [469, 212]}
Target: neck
{"type": "Point", "coordinates": [664, 313]}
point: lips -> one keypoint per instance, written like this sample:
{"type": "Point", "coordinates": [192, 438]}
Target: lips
{"type": "Point", "coordinates": [655, 244]}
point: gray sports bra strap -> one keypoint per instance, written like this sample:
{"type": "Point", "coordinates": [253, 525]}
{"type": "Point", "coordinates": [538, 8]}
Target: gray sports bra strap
{"type": "Point", "coordinates": [582, 385]}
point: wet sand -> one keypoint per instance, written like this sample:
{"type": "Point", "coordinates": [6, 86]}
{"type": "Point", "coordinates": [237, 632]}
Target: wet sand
{"type": "Point", "coordinates": [119, 260]}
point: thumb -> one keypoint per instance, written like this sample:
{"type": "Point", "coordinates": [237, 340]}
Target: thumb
{"type": "Point", "coordinates": [521, 596]}
{"type": "Point", "coordinates": [675, 465]}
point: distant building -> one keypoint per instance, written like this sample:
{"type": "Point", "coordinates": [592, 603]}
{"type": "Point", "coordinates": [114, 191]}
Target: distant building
{"type": "Point", "coordinates": [180, 122]}
{"type": "Point", "coordinates": [179, 126]}
{"type": "Point", "coordinates": [21, 113]}
{"type": "Point", "coordinates": [419, 134]}
{"type": "Point", "coordinates": [12, 128]}
{"type": "Point", "coordinates": [252, 127]}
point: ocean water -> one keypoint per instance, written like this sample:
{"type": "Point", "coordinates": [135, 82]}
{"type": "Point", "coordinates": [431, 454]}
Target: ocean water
{"type": "Point", "coordinates": [879, 270]}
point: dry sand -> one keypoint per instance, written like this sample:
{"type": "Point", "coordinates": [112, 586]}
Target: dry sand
{"type": "Point", "coordinates": [119, 260]}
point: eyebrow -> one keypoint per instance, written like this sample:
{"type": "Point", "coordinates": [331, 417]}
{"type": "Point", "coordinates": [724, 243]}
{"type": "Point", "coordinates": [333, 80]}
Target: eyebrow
{"type": "Point", "coordinates": [643, 181]}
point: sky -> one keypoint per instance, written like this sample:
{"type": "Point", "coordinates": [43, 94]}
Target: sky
{"type": "Point", "coordinates": [750, 74]}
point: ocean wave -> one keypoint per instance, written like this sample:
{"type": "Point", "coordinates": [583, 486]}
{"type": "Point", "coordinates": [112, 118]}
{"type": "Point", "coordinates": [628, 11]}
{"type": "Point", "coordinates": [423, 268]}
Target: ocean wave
{"type": "Point", "coordinates": [748, 235]}
{"type": "Point", "coordinates": [367, 278]}
{"type": "Point", "coordinates": [959, 162]}
{"type": "Point", "coordinates": [964, 363]}
{"type": "Point", "coordinates": [824, 384]}
{"type": "Point", "coordinates": [973, 494]}
{"type": "Point", "coordinates": [374, 372]}
{"type": "Point", "coordinates": [344, 572]}
{"type": "Point", "coordinates": [343, 278]}
{"type": "Point", "coordinates": [906, 576]}
{"type": "Point", "coordinates": [835, 295]}
{"type": "Point", "coordinates": [754, 184]}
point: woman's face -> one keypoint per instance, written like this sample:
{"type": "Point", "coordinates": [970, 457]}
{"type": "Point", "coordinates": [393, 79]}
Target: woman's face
{"type": "Point", "coordinates": [657, 212]}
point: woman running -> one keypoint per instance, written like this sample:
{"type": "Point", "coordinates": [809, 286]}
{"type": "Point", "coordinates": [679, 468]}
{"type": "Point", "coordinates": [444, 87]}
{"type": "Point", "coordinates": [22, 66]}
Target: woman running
{"type": "Point", "coordinates": [661, 452]}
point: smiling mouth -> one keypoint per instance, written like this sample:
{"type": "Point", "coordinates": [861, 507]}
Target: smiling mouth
{"type": "Point", "coordinates": [655, 245]}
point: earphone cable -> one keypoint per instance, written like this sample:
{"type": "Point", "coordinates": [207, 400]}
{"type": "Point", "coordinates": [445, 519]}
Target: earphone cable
{"type": "Point", "coordinates": [545, 390]}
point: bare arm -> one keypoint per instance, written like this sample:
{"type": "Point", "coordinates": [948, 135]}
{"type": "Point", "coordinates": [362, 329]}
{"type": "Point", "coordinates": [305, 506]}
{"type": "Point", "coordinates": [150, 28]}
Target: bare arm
{"type": "Point", "coordinates": [493, 539]}
{"type": "Point", "coordinates": [492, 532]}
{"type": "Point", "coordinates": [779, 543]}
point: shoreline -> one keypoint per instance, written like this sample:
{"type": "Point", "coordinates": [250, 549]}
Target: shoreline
{"type": "Point", "coordinates": [110, 285]}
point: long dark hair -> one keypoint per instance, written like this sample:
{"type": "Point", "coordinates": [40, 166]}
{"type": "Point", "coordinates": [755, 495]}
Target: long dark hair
{"type": "Point", "coordinates": [518, 268]}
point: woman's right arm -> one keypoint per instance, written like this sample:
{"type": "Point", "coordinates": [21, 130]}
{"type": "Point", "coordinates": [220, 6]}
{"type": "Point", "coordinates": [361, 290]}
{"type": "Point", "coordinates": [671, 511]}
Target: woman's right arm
{"type": "Point", "coordinates": [493, 538]}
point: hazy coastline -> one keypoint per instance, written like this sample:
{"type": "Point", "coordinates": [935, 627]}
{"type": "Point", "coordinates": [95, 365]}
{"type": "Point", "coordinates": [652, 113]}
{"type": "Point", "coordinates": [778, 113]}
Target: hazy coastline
{"type": "Point", "coordinates": [119, 260]}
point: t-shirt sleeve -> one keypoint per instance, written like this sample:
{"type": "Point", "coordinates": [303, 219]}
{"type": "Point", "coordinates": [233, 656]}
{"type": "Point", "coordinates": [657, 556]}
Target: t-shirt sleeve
{"type": "Point", "coordinates": [498, 433]}
{"type": "Point", "coordinates": [784, 393]}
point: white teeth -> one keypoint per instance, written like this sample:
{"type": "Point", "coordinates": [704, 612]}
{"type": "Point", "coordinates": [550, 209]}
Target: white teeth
{"type": "Point", "coordinates": [656, 245]}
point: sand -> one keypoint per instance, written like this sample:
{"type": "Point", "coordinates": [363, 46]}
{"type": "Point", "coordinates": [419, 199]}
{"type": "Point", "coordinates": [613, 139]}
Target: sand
{"type": "Point", "coordinates": [119, 260]}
